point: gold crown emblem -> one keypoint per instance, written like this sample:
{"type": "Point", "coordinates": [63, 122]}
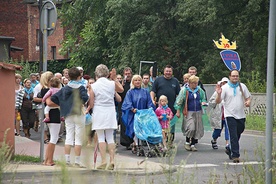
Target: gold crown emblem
{"type": "Point", "coordinates": [224, 43]}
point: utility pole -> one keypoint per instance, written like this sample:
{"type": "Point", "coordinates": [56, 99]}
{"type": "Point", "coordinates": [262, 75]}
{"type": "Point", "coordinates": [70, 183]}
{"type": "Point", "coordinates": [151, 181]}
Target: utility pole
{"type": "Point", "coordinates": [41, 69]}
{"type": "Point", "coordinates": [269, 92]}
{"type": "Point", "coordinates": [47, 24]}
{"type": "Point", "coordinates": [40, 40]}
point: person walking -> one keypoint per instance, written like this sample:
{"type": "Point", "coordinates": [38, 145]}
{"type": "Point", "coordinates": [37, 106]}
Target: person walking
{"type": "Point", "coordinates": [55, 85]}
{"type": "Point", "coordinates": [137, 98]}
{"type": "Point", "coordinates": [53, 125]}
{"type": "Point", "coordinates": [193, 71]}
{"type": "Point", "coordinates": [169, 86]}
{"type": "Point", "coordinates": [217, 119]}
{"type": "Point", "coordinates": [236, 96]}
{"type": "Point", "coordinates": [152, 78]}
{"type": "Point", "coordinates": [164, 115]}
{"type": "Point", "coordinates": [71, 99]}
{"type": "Point", "coordinates": [124, 139]}
{"type": "Point", "coordinates": [82, 80]}
{"type": "Point", "coordinates": [42, 87]}
{"type": "Point", "coordinates": [102, 95]}
{"type": "Point", "coordinates": [34, 81]}
{"type": "Point", "coordinates": [24, 104]}
{"type": "Point", "coordinates": [186, 77]}
{"type": "Point", "coordinates": [191, 99]}
{"type": "Point", "coordinates": [18, 88]}
{"type": "Point", "coordinates": [146, 82]}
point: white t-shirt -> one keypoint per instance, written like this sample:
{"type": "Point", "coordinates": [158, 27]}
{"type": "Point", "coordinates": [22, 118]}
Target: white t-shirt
{"type": "Point", "coordinates": [234, 105]}
{"type": "Point", "coordinates": [37, 89]}
{"type": "Point", "coordinates": [104, 91]}
{"type": "Point", "coordinates": [104, 113]}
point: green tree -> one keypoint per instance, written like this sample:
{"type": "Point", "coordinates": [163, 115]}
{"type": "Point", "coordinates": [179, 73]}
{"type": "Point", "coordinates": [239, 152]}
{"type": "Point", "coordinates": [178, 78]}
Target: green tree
{"type": "Point", "coordinates": [121, 33]}
{"type": "Point", "coordinates": [85, 21]}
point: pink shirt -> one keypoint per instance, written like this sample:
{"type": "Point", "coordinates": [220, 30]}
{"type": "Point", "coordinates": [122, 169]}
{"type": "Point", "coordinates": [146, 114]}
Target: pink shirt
{"type": "Point", "coordinates": [50, 93]}
{"type": "Point", "coordinates": [160, 111]}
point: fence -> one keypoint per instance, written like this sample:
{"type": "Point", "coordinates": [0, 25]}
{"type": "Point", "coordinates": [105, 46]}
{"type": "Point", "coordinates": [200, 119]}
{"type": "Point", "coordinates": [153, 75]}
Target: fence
{"type": "Point", "coordinates": [258, 100]}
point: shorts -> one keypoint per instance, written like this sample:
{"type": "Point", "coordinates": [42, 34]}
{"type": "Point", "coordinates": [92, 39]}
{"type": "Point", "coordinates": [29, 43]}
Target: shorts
{"type": "Point", "coordinates": [166, 130]}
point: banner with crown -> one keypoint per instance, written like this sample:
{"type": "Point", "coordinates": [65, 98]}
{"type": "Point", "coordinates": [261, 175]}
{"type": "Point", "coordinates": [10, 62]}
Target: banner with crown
{"type": "Point", "coordinates": [230, 58]}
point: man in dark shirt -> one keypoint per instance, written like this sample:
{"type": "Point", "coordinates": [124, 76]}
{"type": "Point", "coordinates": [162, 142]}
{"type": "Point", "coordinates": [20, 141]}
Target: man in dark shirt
{"type": "Point", "coordinates": [166, 85]}
{"type": "Point", "coordinates": [124, 139]}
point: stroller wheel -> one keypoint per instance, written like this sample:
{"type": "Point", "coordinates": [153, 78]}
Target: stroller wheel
{"type": "Point", "coordinates": [142, 153]}
{"type": "Point", "coordinates": [134, 150]}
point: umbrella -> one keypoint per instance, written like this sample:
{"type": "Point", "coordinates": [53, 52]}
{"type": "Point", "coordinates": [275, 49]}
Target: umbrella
{"type": "Point", "coordinates": [95, 155]}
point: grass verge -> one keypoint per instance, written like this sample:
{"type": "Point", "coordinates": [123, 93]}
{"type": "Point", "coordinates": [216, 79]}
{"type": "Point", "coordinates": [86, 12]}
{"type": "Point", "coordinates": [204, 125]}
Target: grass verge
{"type": "Point", "coordinates": [25, 158]}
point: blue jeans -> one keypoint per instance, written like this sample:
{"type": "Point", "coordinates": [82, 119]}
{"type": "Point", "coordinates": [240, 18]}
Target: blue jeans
{"type": "Point", "coordinates": [236, 127]}
{"type": "Point", "coordinates": [217, 132]}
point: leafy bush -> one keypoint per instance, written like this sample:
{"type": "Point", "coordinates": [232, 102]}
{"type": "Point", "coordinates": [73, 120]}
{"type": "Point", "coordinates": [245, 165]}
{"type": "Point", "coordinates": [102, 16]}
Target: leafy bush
{"type": "Point", "coordinates": [28, 68]}
{"type": "Point", "coordinates": [33, 67]}
{"type": "Point", "coordinates": [256, 83]}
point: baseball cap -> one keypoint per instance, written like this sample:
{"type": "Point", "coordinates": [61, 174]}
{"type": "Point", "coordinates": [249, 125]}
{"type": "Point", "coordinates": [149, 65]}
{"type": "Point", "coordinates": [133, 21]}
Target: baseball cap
{"type": "Point", "coordinates": [224, 79]}
{"type": "Point", "coordinates": [80, 68]}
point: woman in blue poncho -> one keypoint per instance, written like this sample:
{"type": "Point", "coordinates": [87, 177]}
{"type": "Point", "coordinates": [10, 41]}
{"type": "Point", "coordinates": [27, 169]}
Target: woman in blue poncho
{"type": "Point", "coordinates": [136, 98]}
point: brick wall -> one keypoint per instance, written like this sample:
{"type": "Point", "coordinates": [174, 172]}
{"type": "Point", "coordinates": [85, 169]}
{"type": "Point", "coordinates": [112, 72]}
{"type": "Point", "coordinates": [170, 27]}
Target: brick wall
{"type": "Point", "coordinates": [22, 21]}
{"type": "Point", "coordinates": [13, 23]}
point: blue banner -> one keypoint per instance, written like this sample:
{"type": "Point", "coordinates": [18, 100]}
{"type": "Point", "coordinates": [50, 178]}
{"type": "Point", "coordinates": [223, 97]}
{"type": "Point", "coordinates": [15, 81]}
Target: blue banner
{"type": "Point", "coordinates": [231, 59]}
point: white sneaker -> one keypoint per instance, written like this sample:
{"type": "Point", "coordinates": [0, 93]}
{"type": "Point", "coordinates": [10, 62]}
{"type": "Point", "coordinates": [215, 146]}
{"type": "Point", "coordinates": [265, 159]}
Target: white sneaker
{"type": "Point", "coordinates": [193, 148]}
{"type": "Point", "coordinates": [187, 146]}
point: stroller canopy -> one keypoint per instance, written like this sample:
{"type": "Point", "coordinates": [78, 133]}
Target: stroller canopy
{"type": "Point", "coordinates": [147, 126]}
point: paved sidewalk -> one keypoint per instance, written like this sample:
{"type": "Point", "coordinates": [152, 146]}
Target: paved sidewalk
{"type": "Point", "coordinates": [123, 164]}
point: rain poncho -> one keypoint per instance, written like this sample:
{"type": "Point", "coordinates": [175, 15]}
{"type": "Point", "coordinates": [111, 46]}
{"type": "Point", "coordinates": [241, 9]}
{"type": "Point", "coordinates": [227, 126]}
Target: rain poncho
{"type": "Point", "coordinates": [136, 98]}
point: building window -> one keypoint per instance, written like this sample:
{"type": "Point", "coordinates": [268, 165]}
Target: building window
{"type": "Point", "coordinates": [54, 52]}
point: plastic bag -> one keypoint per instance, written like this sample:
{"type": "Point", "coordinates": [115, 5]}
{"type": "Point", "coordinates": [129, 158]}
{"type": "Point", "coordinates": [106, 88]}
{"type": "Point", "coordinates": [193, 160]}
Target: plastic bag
{"type": "Point", "coordinates": [18, 116]}
{"type": "Point", "coordinates": [147, 126]}
{"type": "Point", "coordinates": [88, 119]}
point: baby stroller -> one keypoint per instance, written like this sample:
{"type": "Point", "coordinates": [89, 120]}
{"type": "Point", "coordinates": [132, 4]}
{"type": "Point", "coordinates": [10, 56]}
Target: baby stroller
{"type": "Point", "coordinates": [149, 133]}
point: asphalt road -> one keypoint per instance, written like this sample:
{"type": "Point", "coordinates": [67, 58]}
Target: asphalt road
{"type": "Point", "coordinates": [204, 166]}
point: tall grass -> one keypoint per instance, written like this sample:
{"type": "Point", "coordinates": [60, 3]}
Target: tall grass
{"type": "Point", "coordinates": [257, 122]}
{"type": "Point", "coordinates": [25, 158]}
{"type": "Point", "coordinates": [5, 155]}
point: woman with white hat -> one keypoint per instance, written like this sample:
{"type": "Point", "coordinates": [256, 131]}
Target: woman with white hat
{"type": "Point", "coordinates": [217, 119]}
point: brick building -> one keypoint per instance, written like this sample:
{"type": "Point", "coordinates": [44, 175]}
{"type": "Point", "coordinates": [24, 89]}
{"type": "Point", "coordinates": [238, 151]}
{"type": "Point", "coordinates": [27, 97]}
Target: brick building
{"type": "Point", "coordinates": [20, 19]}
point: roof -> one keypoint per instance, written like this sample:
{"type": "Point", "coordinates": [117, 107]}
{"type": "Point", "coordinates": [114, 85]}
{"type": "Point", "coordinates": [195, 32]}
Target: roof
{"type": "Point", "coordinates": [14, 48]}
{"type": "Point", "coordinates": [8, 66]}
{"type": "Point", "coordinates": [6, 38]}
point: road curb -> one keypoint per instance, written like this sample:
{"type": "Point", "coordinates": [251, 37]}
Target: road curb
{"type": "Point", "coordinates": [71, 171]}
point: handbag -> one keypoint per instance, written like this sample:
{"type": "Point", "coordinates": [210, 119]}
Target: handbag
{"type": "Point", "coordinates": [185, 110]}
{"type": "Point", "coordinates": [88, 119]}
